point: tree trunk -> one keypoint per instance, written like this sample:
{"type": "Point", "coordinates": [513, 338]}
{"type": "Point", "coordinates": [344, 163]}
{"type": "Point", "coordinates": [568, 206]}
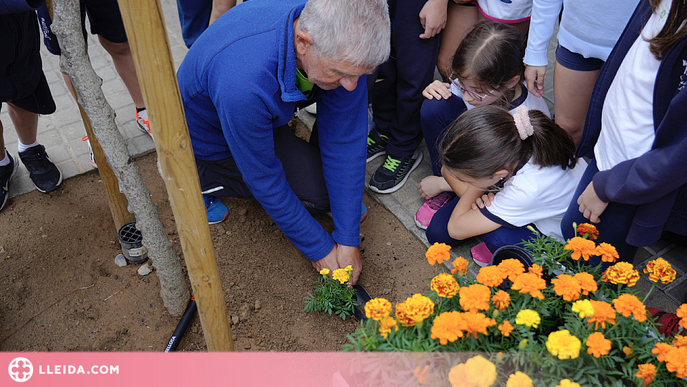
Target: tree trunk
{"type": "Point", "coordinates": [76, 64]}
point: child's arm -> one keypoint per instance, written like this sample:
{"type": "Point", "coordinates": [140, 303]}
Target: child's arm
{"type": "Point", "coordinates": [465, 223]}
{"type": "Point", "coordinates": [432, 186]}
{"type": "Point", "coordinates": [438, 90]}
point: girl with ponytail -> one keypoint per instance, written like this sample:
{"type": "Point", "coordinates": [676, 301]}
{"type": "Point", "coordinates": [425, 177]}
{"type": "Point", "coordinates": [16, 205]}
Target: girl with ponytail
{"type": "Point", "coordinates": [508, 171]}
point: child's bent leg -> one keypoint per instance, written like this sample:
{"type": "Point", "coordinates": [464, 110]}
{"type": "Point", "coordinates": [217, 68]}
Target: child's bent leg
{"type": "Point", "coordinates": [435, 116]}
{"type": "Point", "coordinates": [504, 236]}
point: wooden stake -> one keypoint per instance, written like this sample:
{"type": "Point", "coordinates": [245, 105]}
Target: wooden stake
{"type": "Point", "coordinates": [147, 34]}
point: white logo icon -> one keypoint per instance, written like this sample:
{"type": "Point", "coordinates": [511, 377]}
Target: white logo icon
{"type": "Point", "coordinates": [20, 369]}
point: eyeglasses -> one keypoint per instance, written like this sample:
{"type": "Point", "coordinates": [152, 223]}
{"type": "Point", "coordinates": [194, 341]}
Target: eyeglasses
{"type": "Point", "coordinates": [471, 93]}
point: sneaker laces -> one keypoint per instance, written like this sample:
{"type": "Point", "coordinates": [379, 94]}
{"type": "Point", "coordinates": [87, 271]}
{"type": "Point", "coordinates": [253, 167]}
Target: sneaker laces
{"type": "Point", "coordinates": [438, 201]}
{"type": "Point", "coordinates": [392, 163]}
{"type": "Point", "coordinates": [371, 141]}
{"type": "Point", "coordinates": [39, 160]}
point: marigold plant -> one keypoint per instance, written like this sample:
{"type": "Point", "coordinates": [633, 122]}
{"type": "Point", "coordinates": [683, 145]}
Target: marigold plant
{"type": "Point", "coordinates": [386, 324]}
{"type": "Point", "coordinates": [603, 313]}
{"type": "Point", "coordinates": [682, 313]}
{"type": "Point", "coordinates": [587, 230]}
{"type": "Point", "coordinates": [490, 276]}
{"type": "Point", "coordinates": [621, 273]}
{"type": "Point", "coordinates": [378, 308]}
{"type": "Point", "coordinates": [567, 287]}
{"type": "Point", "coordinates": [629, 304]}
{"type": "Point", "coordinates": [583, 308]}
{"type": "Point", "coordinates": [660, 270]}
{"type": "Point", "coordinates": [448, 327]}
{"type": "Point", "coordinates": [445, 285]}
{"type": "Point", "coordinates": [477, 323]}
{"type": "Point", "coordinates": [581, 248]}
{"type": "Point", "coordinates": [528, 317]}
{"type": "Point", "coordinates": [414, 310]}
{"type": "Point", "coordinates": [506, 328]}
{"type": "Point", "coordinates": [460, 265]}
{"type": "Point", "coordinates": [519, 379]}
{"type": "Point", "coordinates": [530, 283]}
{"type": "Point", "coordinates": [647, 372]}
{"type": "Point", "coordinates": [587, 283]}
{"type": "Point", "coordinates": [438, 253]}
{"type": "Point", "coordinates": [598, 345]}
{"type": "Point", "coordinates": [501, 300]}
{"type": "Point", "coordinates": [607, 252]}
{"type": "Point", "coordinates": [563, 345]}
{"type": "Point", "coordinates": [511, 268]}
{"type": "Point", "coordinates": [475, 297]}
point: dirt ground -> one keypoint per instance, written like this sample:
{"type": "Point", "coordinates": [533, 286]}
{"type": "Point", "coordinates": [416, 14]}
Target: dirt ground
{"type": "Point", "coordinates": [61, 290]}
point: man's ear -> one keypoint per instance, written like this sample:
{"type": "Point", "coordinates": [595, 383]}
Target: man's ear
{"type": "Point", "coordinates": [303, 40]}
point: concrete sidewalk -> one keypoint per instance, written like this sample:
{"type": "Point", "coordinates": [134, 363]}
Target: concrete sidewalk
{"type": "Point", "coordinates": [61, 133]}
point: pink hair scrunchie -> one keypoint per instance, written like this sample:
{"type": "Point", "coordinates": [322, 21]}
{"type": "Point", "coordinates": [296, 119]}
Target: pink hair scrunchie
{"type": "Point", "coordinates": [522, 122]}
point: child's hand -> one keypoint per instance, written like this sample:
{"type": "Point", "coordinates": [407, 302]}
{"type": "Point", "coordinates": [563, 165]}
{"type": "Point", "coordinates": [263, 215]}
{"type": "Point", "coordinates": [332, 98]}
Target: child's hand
{"type": "Point", "coordinates": [432, 186]}
{"type": "Point", "coordinates": [484, 201]}
{"type": "Point", "coordinates": [438, 90]}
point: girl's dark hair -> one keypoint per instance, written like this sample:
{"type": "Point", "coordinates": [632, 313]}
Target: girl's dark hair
{"type": "Point", "coordinates": [485, 140]}
{"type": "Point", "coordinates": [491, 55]}
{"type": "Point", "coordinates": [673, 30]}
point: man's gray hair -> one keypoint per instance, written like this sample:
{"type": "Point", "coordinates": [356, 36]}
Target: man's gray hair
{"type": "Point", "coordinates": [356, 31]}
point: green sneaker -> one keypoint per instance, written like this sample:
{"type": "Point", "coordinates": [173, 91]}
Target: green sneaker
{"type": "Point", "coordinates": [376, 144]}
{"type": "Point", "coordinates": [391, 175]}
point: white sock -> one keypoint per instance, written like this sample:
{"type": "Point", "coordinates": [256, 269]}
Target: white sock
{"type": "Point", "coordinates": [6, 160]}
{"type": "Point", "coordinates": [21, 147]}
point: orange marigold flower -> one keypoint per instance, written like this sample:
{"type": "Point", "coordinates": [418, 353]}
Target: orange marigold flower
{"type": "Point", "coordinates": [621, 273]}
{"type": "Point", "coordinates": [490, 276]}
{"type": "Point", "coordinates": [627, 304]}
{"type": "Point", "coordinates": [603, 313]}
{"type": "Point", "coordinates": [536, 269]}
{"type": "Point", "coordinates": [588, 230]}
{"type": "Point", "coordinates": [660, 270]}
{"type": "Point", "coordinates": [460, 265]}
{"type": "Point", "coordinates": [386, 324]}
{"type": "Point", "coordinates": [581, 248]}
{"type": "Point", "coordinates": [661, 350]}
{"type": "Point", "coordinates": [680, 341]}
{"type": "Point", "coordinates": [647, 372]}
{"type": "Point", "coordinates": [445, 285]}
{"type": "Point", "coordinates": [607, 252]}
{"type": "Point", "coordinates": [511, 268]}
{"type": "Point", "coordinates": [587, 282]}
{"type": "Point", "coordinates": [377, 308]}
{"type": "Point", "coordinates": [567, 287]}
{"type": "Point", "coordinates": [475, 297]}
{"type": "Point", "coordinates": [501, 300]}
{"type": "Point", "coordinates": [628, 351]}
{"type": "Point", "coordinates": [676, 361]}
{"type": "Point", "coordinates": [506, 328]}
{"type": "Point", "coordinates": [414, 310]}
{"type": "Point", "coordinates": [448, 326]}
{"type": "Point", "coordinates": [476, 372]}
{"type": "Point", "coordinates": [598, 345]}
{"type": "Point", "coordinates": [682, 313]}
{"type": "Point", "coordinates": [530, 283]}
{"type": "Point", "coordinates": [438, 252]}
{"type": "Point", "coordinates": [477, 323]}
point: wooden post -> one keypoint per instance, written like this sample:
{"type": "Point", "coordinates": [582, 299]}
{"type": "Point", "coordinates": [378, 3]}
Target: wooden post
{"type": "Point", "coordinates": [116, 200]}
{"type": "Point", "coordinates": [147, 34]}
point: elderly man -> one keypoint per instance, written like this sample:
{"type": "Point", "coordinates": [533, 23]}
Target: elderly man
{"type": "Point", "coordinates": [242, 81]}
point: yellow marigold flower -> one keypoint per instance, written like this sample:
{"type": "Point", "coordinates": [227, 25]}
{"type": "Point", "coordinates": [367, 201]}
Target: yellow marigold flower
{"type": "Point", "coordinates": [438, 252]}
{"type": "Point", "coordinates": [680, 341]}
{"type": "Point", "coordinates": [568, 383]}
{"type": "Point", "coordinates": [607, 252]}
{"type": "Point", "coordinates": [660, 270]}
{"type": "Point", "coordinates": [511, 268]}
{"type": "Point", "coordinates": [536, 269]}
{"type": "Point", "coordinates": [386, 324]}
{"type": "Point", "coordinates": [598, 345]}
{"type": "Point", "coordinates": [583, 308]}
{"type": "Point", "coordinates": [506, 328]}
{"type": "Point", "coordinates": [676, 361]}
{"type": "Point", "coordinates": [563, 345]}
{"type": "Point", "coordinates": [377, 308]}
{"type": "Point", "coordinates": [603, 313]}
{"type": "Point", "coordinates": [682, 313]}
{"type": "Point", "coordinates": [460, 265]}
{"type": "Point", "coordinates": [414, 310]}
{"type": "Point", "coordinates": [567, 287]}
{"type": "Point", "coordinates": [348, 268]}
{"type": "Point", "coordinates": [523, 344]}
{"type": "Point", "coordinates": [477, 323]}
{"type": "Point", "coordinates": [581, 248]}
{"type": "Point", "coordinates": [661, 350]}
{"type": "Point", "coordinates": [621, 273]}
{"type": "Point", "coordinates": [341, 275]}
{"type": "Point", "coordinates": [325, 271]}
{"type": "Point", "coordinates": [587, 282]}
{"type": "Point", "coordinates": [628, 351]}
{"type": "Point", "coordinates": [519, 379]}
{"type": "Point", "coordinates": [588, 230]}
{"type": "Point", "coordinates": [501, 300]}
{"type": "Point", "coordinates": [647, 372]}
{"type": "Point", "coordinates": [628, 304]}
{"type": "Point", "coordinates": [490, 276]}
{"type": "Point", "coordinates": [448, 326]}
{"type": "Point", "coordinates": [445, 285]}
{"type": "Point", "coordinates": [528, 317]}
{"type": "Point", "coordinates": [530, 283]}
{"type": "Point", "coordinates": [480, 371]}
{"type": "Point", "coordinates": [475, 297]}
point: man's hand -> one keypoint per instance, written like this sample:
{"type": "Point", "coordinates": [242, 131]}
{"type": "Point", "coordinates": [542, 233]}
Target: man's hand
{"type": "Point", "coordinates": [340, 257]}
{"type": "Point", "coordinates": [534, 75]}
{"type": "Point", "coordinates": [433, 17]}
{"type": "Point", "coordinates": [591, 206]}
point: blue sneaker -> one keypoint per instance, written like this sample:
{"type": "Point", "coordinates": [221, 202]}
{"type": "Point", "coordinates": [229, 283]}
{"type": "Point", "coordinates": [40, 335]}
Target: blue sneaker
{"type": "Point", "coordinates": [217, 211]}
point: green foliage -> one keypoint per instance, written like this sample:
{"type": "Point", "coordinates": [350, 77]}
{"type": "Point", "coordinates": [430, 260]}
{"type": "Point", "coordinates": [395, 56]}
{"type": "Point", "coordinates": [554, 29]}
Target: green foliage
{"type": "Point", "coordinates": [332, 297]}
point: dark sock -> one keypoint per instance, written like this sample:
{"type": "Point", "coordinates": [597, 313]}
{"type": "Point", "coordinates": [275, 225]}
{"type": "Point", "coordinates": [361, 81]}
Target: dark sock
{"type": "Point", "coordinates": [138, 110]}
